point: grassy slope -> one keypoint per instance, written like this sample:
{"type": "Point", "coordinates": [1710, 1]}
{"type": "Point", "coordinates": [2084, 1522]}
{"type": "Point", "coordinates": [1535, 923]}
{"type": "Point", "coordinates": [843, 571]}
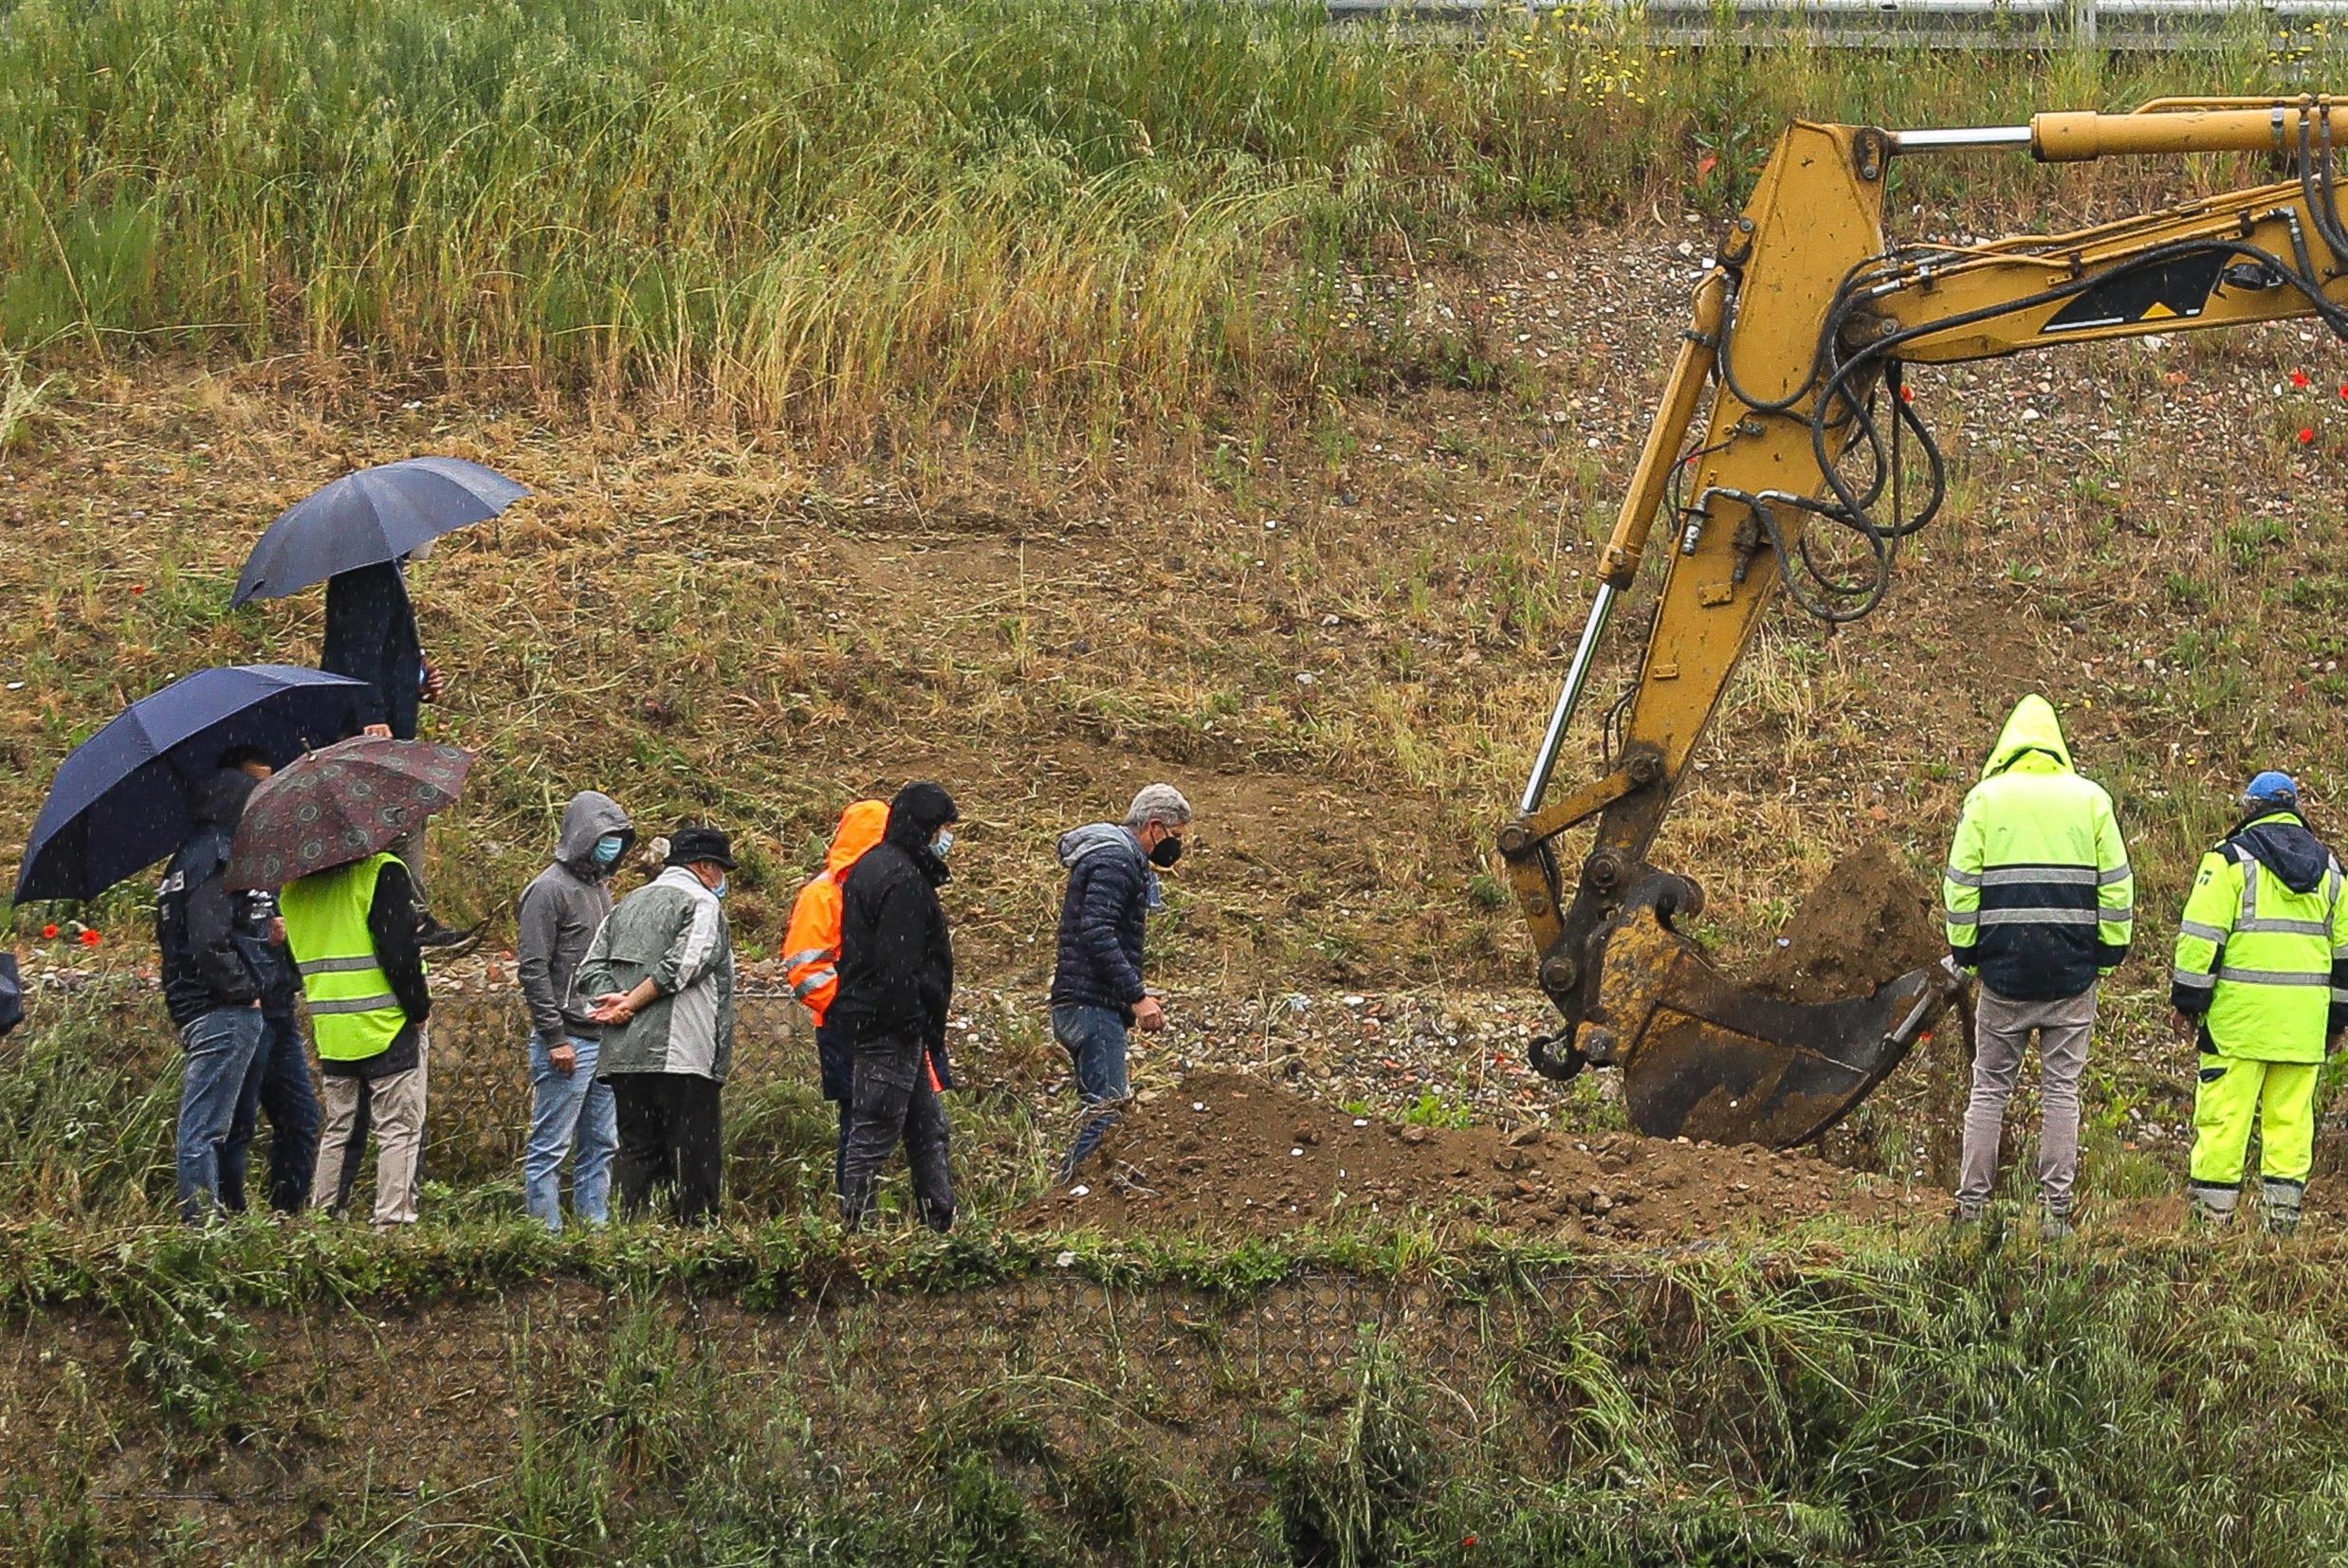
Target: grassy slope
{"type": "Point", "coordinates": [767, 569]}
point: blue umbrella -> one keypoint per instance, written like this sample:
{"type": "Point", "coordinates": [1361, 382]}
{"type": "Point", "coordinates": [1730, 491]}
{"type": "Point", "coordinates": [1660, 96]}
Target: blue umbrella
{"type": "Point", "coordinates": [122, 799]}
{"type": "Point", "coordinates": [375, 515]}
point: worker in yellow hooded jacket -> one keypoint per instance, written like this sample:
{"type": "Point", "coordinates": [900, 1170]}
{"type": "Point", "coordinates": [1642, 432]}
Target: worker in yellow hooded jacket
{"type": "Point", "coordinates": [2261, 986]}
{"type": "Point", "coordinates": [2041, 904]}
{"type": "Point", "coordinates": [811, 949]}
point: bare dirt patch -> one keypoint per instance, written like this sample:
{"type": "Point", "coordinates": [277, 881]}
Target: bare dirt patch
{"type": "Point", "coordinates": [1227, 1153]}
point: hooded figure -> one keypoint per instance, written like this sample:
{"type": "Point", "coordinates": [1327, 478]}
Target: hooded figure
{"type": "Point", "coordinates": [558, 917]}
{"type": "Point", "coordinates": [560, 912]}
{"type": "Point", "coordinates": [811, 949]}
{"type": "Point", "coordinates": [2041, 903]}
{"type": "Point", "coordinates": [896, 986]}
{"type": "Point", "coordinates": [2261, 986]}
{"type": "Point", "coordinates": [811, 954]}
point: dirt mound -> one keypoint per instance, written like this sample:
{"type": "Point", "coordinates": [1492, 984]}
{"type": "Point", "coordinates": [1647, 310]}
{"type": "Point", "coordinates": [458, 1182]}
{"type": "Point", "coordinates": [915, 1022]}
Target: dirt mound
{"type": "Point", "coordinates": [1868, 922]}
{"type": "Point", "coordinates": [1227, 1153]}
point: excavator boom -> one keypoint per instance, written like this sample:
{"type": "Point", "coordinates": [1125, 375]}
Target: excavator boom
{"type": "Point", "coordinates": [1801, 336]}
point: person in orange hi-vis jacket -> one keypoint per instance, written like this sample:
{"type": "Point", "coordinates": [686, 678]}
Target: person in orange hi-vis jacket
{"type": "Point", "coordinates": [811, 948]}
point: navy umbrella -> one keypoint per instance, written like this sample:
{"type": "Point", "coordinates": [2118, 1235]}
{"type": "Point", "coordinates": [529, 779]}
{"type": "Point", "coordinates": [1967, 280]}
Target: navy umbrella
{"type": "Point", "coordinates": [372, 516]}
{"type": "Point", "coordinates": [122, 799]}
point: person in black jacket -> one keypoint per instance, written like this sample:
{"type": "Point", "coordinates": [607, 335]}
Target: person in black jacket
{"type": "Point", "coordinates": [897, 983]}
{"type": "Point", "coordinates": [1097, 992]}
{"type": "Point", "coordinates": [221, 967]}
{"type": "Point", "coordinates": [371, 637]}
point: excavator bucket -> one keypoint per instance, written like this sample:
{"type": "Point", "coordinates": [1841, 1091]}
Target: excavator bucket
{"type": "Point", "coordinates": [1704, 1058]}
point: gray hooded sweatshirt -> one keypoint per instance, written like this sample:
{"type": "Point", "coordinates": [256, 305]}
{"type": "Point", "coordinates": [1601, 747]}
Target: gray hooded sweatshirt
{"type": "Point", "coordinates": [559, 914]}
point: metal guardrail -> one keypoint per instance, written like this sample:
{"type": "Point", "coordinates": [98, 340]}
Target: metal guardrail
{"type": "Point", "coordinates": [2113, 25]}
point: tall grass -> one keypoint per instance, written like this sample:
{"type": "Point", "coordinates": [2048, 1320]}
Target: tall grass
{"type": "Point", "coordinates": [820, 215]}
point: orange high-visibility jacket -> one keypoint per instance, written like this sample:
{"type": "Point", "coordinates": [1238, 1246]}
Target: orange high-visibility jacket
{"type": "Point", "coordinates": [811, 949]}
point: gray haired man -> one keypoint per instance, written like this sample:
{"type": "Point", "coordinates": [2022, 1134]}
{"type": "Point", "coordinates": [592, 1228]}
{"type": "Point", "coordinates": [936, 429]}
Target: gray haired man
{"type": "Point", "coordinates": [1097, 992]}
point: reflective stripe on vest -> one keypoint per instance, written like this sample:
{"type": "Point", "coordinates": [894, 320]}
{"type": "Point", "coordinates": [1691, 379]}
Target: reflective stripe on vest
{"type": "Point", "coordinates": [354, 1014]}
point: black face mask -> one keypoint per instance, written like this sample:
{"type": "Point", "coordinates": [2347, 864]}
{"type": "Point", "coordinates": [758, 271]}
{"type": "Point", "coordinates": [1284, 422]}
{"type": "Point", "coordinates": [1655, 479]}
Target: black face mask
{"type": "Point", "coordinates": [1166, 853]}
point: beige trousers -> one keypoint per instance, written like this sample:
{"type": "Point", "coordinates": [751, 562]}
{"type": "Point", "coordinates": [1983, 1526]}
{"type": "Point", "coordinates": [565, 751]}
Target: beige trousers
{"type": "Point", "coordinates": [391, 1107]}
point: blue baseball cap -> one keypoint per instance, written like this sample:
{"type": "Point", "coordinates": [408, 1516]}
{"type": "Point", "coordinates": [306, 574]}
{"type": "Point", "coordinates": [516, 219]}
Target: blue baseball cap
{"type": "Point", "coordinates": [2271, 786]}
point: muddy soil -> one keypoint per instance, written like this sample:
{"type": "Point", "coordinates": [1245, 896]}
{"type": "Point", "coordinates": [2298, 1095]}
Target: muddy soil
{"type": "Point", "coordinates": [1228, 1154]}
{"type": "Point", "coordinates": [1869, 921]}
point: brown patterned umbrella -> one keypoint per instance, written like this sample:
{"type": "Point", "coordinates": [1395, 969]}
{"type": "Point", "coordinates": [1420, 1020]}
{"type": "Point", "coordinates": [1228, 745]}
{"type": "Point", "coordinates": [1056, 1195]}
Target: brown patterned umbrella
{"type": "Point", "coordinates": [341, 803]}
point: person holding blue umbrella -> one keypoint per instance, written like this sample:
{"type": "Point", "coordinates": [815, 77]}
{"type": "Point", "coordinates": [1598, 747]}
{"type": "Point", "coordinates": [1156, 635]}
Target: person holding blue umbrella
{"type": "Point", "coordinates": [229, 985]}
{"type": "Point", "coordinates": [169, 775]}
{"type": "Point", "coordinates": [357, 535]}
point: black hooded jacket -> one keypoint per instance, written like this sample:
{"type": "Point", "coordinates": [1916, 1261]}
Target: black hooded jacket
{"type": "Point", "coordinates": [215, 944]}
{"type": "Point", "coordinates": [2296, 856]}
{"type": "Point", "coordinates": [896, 954]}
{"type": "Point", "coordinates": [371, 637]}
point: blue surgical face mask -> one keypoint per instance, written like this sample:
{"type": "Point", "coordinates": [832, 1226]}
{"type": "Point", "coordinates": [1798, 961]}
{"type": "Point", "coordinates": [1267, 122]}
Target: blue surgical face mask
{"type": "Point", "coordinates": [608, 847]}
{"type": "Point", "coordinates": [723, 883]}
{"type": "Point", "coordinates": [944, 841]}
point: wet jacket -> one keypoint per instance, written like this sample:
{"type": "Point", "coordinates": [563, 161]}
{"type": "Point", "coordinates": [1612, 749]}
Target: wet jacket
{"type": "Point", "coordinates": [1111, 890]}
{"type": "Point", "coordinates": [560, 912]}
{"type": "Point", "coordinates": [671, 931]}
{"type": "Point", "coordinates": [811, 949]}
{"type": "Point", "coordinates": [896, 952]}
{"type": "Point", "coordinates": [2262, 951]}
{"type": "Point", "coordinates": [371, 636]}
{"type": "Point", "coordinates": [216, 948]}
{"type": "Point", "coordinates": [2038, 894]}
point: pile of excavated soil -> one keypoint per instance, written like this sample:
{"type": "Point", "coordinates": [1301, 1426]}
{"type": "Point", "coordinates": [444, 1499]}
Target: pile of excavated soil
{"type": "Point", "coordinates": [1867, 923]}
{"type": "Point", "coordinates": [1226, 1153]}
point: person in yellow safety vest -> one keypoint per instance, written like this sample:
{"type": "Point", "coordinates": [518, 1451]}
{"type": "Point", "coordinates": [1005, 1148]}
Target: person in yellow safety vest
{"type": "Point", "coordinates": [811, 952]}
{"type": "Point", "coordinates": [2260, 985]}
{"type": "Point", "coordinates": [2040, 902]}
{"type": "Point", "coordinates": [353, 930]}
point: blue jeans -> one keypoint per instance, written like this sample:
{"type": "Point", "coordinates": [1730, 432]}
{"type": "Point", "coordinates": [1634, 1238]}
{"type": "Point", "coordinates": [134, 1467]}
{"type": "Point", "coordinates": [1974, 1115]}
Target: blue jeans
{"type": "Point", "coordinates": [279, 1088]}
{"type": "Point", "coordinates": [567, 1107]}
{"type": "Point", "coordinates": [1095, 1038]}
{"type": "Point", "coordinates": [219, 1049]}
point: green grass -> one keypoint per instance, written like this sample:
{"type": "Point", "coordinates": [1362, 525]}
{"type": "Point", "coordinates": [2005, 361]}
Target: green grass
{"type": "Point", "coordinates": [825, 215]}
{"type": "Point", "coordinates": [974, 1402]}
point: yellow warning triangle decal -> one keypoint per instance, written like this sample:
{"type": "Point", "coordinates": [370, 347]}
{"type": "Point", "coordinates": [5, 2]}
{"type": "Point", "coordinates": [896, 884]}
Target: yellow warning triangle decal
{"type": "Point", "coordinates": [2156, 312]}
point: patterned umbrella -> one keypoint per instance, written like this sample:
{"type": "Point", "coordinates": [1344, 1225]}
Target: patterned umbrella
{"type": "Point", "coordinates": [341, 804]}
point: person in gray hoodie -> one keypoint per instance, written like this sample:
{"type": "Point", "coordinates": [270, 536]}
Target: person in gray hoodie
{"type": "Point", "coordinates": [661, 971]}
{"type": "Point", "coordinates": [570, 1110]}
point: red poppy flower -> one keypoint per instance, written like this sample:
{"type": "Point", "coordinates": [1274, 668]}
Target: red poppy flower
{"type": "Point", "coordinates": [1907, 395]}
{"type": "Point", "coordinates": [2299, 379]}
{"type": "Point", "coordinates": [48, 933]}
{"type": "Point", "coordinates": [2306, 438]}
{"type": "Point", "coordinates": [90, 938]}
{"type": "Point", "coordinates": [2343, 391]}
{"type": "Point", "coordinates": [137, 589]}
{"type": "Point", "coordinates": [1468, 1541]}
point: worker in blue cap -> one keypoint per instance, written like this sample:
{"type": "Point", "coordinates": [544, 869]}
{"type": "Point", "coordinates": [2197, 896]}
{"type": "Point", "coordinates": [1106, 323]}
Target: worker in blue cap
{"type": "Point", "coordinates": [2261, 986]}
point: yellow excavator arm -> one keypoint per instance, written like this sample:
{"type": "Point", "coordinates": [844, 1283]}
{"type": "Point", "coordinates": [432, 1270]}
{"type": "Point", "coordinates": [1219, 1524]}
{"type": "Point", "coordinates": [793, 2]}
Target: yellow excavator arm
{"type": "Point", "coordinates": [1800, 478]}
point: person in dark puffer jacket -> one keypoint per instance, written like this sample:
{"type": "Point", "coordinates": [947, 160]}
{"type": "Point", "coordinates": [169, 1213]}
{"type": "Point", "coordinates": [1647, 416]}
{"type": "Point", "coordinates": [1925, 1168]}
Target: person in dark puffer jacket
{"type": "Point", "coordinates": [896, 986]}
{"type": "Point", "coordinates": [1097, 992]}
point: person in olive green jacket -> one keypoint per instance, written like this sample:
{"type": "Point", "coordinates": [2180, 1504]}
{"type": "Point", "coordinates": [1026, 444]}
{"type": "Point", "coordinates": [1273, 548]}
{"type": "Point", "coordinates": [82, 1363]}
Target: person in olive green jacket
{"type": "Point", "coordinates": [2041, 904]}
{"type": "Point", "coordinates": [661, 976]}
{"type": "Point", "coordinates": [2261, 986]}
